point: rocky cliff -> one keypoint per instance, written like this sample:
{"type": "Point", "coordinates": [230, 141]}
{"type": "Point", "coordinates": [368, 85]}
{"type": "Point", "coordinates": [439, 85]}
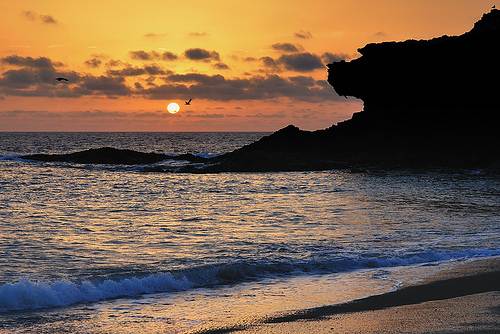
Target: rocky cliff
{"type": "Point", "coordinates": [427, 103]}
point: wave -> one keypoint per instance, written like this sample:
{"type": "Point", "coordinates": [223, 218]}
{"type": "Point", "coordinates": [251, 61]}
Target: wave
{"type": "Point", "coordinates": [172, 162]}
{"type": "Point", "coordinates": [27, 294]}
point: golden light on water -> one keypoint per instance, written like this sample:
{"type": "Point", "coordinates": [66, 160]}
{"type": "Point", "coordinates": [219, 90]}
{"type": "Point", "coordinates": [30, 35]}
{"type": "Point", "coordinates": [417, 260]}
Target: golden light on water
{"type": "Point", "coordinates": [173, 108]}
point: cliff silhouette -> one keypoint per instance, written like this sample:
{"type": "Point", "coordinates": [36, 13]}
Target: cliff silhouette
{"type": "Point", "coordinates": [427, 103]}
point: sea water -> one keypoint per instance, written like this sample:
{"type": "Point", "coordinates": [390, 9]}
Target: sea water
{"type": "Point", "coordinates": [112, 249]}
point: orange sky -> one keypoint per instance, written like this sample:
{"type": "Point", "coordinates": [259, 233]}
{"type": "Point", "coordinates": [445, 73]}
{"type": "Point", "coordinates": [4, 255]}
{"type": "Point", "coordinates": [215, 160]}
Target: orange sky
{"type": "Point", "coordinates": [238, 80]}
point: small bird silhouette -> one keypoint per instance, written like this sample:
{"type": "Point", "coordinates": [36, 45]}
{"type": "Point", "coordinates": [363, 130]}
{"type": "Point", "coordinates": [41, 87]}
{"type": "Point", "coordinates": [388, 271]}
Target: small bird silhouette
{"type": "Point", "coordinates": [188, 102]}
{"type": "Point", "coordinates": [61, 79]}
{"type": "Point", "coordinates": [494, 7]}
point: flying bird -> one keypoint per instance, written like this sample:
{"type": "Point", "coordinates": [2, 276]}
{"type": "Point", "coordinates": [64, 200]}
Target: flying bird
{"type": "Point", "coordinates": [188, 102]}
{"type": "Point", "coordinates": [61, 79]}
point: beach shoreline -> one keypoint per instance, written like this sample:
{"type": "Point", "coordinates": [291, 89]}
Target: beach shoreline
{"type": "Point", "coordinates": [462, 297]}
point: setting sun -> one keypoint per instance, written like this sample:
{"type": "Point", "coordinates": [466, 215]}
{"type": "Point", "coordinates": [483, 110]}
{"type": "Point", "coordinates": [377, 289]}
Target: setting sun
{"type": "Point", "coordinates": [173, 108]}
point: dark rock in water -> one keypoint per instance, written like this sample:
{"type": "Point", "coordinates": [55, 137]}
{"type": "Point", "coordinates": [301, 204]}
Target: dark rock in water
{"type": "Point", "coordinates": [105, 155]}
{"type": "Point", "coordinates": [428, 103]}
{"type": "Point", "coordinates": [113, 156]}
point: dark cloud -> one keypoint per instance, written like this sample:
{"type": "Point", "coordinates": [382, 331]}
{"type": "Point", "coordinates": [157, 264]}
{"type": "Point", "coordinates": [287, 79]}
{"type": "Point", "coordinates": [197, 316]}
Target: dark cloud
{"type": "Point", "coordinates": [152, 55]}
{"type": "Point", "coordinates": [48, 19]}
{"type": "Point", "coordinates": [221, 66]}
{"type": "Point", "coordinates": [302, 80]}
{"type": "Point", "coordinates": [197, 78]}
{"type": "Point", "coordinates": [329, 57]}
{"type": "Point", "coordinates": [217, 87]}
{"type": "Point", "coordinates": [270, 63]}
{"type": "Point", "coordinates": [298, 62]}
{"type": "Point", "coordinates": [249, 59]}
{"type": "Point", "coordinates": [143, 55]}
{"type": "Point", "coordinates": [201, 55]}
{"type": "Point", "coordinates": [285, 47]}
{"type": "Point", "coordinates": [33, 16]}
{"type": "Point", "coordinates": [130, 71]}
{"type": "Point", "coordinates": [35, 77]}
{"type": "Point", "coordinates": [380, 34]}
{"type": "Point", "coordinates": [303, 34]}
{"type": "Point", "coordinates": [114, 63]}
{"type": "Point", "coordinates": [301, 62]}
{"type": "Point", "coordinates": [103, 85]}
{"type": "Point", "coordinates": [32, 76]}
{"type": "Point", "coordinates": [198, 34]}
{"type": "Point", "coordinates": [40, 62]}
{"type": "Point", "coordinates": [93, 62]}
{"type": "Point", "coordinates": [169, 56]}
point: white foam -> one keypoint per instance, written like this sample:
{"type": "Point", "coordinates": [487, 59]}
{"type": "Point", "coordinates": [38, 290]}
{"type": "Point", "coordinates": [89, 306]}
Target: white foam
{"type": "Point", "coordinates": [31, 295]}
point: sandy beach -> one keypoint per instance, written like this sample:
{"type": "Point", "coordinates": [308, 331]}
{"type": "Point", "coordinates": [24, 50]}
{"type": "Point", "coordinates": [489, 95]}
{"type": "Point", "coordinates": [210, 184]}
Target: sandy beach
{"type": "Point", "coordinates": [461, 298]}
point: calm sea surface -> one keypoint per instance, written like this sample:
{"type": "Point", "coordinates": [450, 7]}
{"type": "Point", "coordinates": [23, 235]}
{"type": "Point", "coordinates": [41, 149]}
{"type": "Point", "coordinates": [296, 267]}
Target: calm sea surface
{"type": "Point", "coordinates": [95, 249]}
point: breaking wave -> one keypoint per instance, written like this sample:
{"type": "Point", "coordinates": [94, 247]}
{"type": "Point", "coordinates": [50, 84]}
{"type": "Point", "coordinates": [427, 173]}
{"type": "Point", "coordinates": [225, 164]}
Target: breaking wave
{"type": "Point", "coordinates": [27, 294]}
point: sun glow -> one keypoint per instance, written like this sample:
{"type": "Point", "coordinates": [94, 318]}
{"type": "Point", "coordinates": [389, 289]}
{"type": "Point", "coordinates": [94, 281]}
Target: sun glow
{"type": "Point", "coordinates": [173, 108]}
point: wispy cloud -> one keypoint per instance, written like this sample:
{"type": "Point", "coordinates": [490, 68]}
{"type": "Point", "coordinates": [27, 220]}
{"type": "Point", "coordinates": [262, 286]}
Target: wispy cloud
{"type": "Point", "coordinates": [198, 34]}
{"type": "Point", "coordinates": [42, 18]}
{"type": "Point", "coordinates": [302, 34]}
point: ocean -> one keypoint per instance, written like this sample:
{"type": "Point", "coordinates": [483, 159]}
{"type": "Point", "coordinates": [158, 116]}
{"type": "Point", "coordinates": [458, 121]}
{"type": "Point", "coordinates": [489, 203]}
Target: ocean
{"type": "Point", "coordinates": [119, 249]}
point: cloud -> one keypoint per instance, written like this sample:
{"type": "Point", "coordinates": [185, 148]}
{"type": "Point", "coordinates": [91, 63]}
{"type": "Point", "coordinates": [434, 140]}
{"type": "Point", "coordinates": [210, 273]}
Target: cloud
{"type": "Point", "coordinates": [285, 47]}
{"type": "Point", "coordinates": [270, 63]}
{"type": "Point", "coordinates": [198, 54]}
{"type": "Point", "coordinates": [36, 77]}
{"type": "Point", "coordinates": [329, 57]}
{"type": "Point", "coordinates": [221, 66]}
{"type": "Point", "coordinates": [130, 71]}
{"type": "Point", "coordinates": [301, 62]}
{"type": "Point", "coordinates": [249, 59]}
{"type": "Point", "coordinates": [303, 34]}
{"type": "Point", "coordinates": [93, 62]}
{"type": "Point", "coordinates": [114, 63]}
{"type": "Point", "coordinates": [33, 16]}
{"type": "Point", "coordinates": [198, 34]}
{"type": "Point", "coordinates": [28, 76]}
{"type": "Point", "coordinates": [143, 55]}
{"type": "Point", "coordinates": [103, 85]}
{"type": "Point", "coordinates": [40, 62]}
{"type": "Point", "coordinates": [153, 35]}
{"type": "Point", "coordinates": [298, 62]}
{"type": "Point", "coordinates": [47, 19]}
{"type": "Point", "coordinates": [152, 55]}
{"type": "Point", "coordinates": [28, 14]}
{"type": "Point", "coordinates": [217, 87]}
{"type": "Point", "coordinates": [169, 56]}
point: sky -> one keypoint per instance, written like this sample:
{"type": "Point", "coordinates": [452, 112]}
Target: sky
{"type": "Point", "coordinates": [248, 66]}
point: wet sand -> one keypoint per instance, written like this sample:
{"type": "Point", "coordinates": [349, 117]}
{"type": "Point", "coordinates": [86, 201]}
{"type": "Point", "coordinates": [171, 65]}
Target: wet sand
{"type": "Point", "coordinates": [463, 298]}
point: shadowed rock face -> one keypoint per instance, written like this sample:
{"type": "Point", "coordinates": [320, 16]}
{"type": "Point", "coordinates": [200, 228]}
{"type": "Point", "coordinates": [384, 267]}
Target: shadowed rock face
{"type": "Point", "coordinates": [429, 103]}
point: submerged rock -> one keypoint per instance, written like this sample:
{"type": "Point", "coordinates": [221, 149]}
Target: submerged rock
{"type": "Point", "coordinates": [104, 155]}
{"type": "Point", "coordinates": [112, 156]}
